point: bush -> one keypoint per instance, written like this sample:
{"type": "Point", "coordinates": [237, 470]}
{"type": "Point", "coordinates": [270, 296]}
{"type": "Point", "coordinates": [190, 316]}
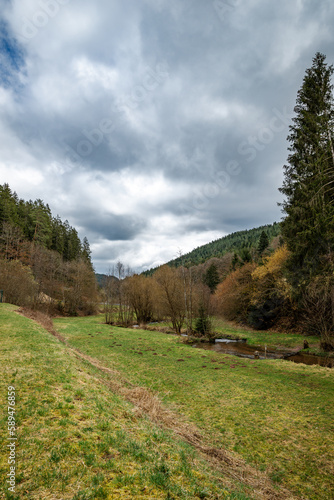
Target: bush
{"type": "Point", "coordinates": [17, 282]}
{"type": "Point", "coordinates": [233, 296]}
{"type": "Point", "coordinates": [203, 324]}
{"type": "Point", "coordinates": [263, 315]}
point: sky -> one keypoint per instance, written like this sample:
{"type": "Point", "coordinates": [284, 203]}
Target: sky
{"type": "Point", "coordinates": [153, 126]}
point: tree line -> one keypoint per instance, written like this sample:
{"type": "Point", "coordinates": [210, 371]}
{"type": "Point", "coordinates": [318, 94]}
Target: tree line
{"type": "Point", "coordinates": [32, 221]}
{"type": "Point", "coordinates": [184, 296]}
{"type": "Point", "coordinates": [43, 262]}
{"type": "Point", "coordinates": [173, 294]}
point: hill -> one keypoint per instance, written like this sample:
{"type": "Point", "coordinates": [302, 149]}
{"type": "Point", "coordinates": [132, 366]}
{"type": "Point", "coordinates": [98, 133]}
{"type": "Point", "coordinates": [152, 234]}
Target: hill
{"type": "Point", "coordinates": [101, 279]}
{"type": "Point", "coordinates": [232, 243]}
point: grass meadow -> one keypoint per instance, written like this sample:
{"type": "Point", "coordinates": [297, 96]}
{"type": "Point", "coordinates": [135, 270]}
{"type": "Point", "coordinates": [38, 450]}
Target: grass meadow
{"type": "Point", "coordinates": [129, 413]}
{"type": "Point", "coordinates": [79, 440]}
{"type": "Point", "coordinates": [275, 415]}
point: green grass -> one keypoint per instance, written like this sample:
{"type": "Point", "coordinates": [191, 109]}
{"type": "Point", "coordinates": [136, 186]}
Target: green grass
{"type": "Point", "coordinates": [275, 414]}
{"type": "Point", "coordinates": [76, 438]}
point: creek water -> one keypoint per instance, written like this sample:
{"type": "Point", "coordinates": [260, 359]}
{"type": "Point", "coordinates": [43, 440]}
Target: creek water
{"type": "Point", "coordinates": [241, 349]}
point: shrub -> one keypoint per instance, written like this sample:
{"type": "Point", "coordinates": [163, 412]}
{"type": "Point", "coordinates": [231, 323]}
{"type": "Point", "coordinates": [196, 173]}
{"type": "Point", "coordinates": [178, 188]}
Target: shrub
{"type": "Point", "coordinates": [203, 324]}
{"type": "Point", "coordinates": [233, 296]}
{"type": "Point", "coordinates": [17, 282]}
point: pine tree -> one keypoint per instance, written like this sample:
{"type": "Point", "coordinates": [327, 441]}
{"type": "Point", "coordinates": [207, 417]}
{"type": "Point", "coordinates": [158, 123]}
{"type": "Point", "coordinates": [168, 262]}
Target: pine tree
{"type": "Point", "coordinates": [263, 242]}
{"type": "Point", "coordinates": [211, 277]}
{"type": "Point", "coordinates": [308, 184]}
{"type": "Point", "coordinates": [8, 208]}
{"type": "Point", "coordinates": [86, 251]}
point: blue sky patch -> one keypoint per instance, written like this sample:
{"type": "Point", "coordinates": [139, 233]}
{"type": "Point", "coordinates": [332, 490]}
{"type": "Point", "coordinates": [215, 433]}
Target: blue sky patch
{"type": "Point", "coordinates": [11, 58]}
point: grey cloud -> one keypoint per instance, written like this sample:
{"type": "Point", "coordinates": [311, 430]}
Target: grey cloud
{"type": "Point", "coordinates": [110, 227]}
{"type": "Point", "coordinates": [227, 71]}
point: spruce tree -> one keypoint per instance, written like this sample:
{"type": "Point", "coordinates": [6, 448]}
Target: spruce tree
{"type": "Point", "coordinates": [86, 251]}
{"type": "Point", "coordinates": [263, 242]}
{"type": "Point", "coordinates": [308, 228]}
{"type": "Point", "coordinates": [211, 277]}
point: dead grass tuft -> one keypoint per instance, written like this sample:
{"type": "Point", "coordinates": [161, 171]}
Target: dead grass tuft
{"type": "Point", "coordinates": [39, 317]}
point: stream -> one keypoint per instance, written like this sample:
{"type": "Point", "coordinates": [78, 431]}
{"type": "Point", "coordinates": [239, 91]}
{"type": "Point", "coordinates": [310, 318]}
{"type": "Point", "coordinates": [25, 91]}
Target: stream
{"type": "Point", "coordinates": [241, 349]}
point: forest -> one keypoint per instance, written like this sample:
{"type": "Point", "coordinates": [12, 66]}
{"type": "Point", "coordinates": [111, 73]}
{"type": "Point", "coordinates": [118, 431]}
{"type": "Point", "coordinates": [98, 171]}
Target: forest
{"type": "Point", "coordinates": [43, 263]}
{"type": "Point", "coordinates": [242, 243]}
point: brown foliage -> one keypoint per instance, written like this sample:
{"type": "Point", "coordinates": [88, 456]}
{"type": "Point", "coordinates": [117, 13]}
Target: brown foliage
{"type": "Point", "coordinates": [17, 283]}
{"type": "Point", "coordinates": [171, 299]}
{"type": "Point", "coordinates": [117, 306]}
{"type": "Point", "coordinates": [269, 279]}
{"type": "Point", "coordinates": [12, 243]}
{"type": "Point", "coordinates": [233, 296]}
{"type": "Point", "coordinates": [141, 293]}
{"type": "Point", "coordinates": [80, 292]}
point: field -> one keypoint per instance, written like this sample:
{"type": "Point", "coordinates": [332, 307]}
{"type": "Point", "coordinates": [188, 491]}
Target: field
{"type": "Point", "coordinates": [79, 439]}
{"type": "Point", "coordinates": [129, 413]}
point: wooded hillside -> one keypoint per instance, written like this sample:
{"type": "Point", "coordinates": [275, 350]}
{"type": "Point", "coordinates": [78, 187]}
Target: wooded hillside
{"type": "Point", "coordinates": [43, 262]}
{"type": "Point", "coordinates": [238, 242]}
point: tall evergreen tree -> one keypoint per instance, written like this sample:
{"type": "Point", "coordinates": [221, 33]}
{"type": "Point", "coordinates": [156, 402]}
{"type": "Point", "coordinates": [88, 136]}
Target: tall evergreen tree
{"type": "Point", "coordinates": [86, 251]}
{"type": "Point", "coordinates": [8, 207]}
{"type": "Point", "coordinates": [308, 184]}
{"type": "Point", "coordinates": [263, 242]}
{"type": "Point", "coordinates": [211, 277]}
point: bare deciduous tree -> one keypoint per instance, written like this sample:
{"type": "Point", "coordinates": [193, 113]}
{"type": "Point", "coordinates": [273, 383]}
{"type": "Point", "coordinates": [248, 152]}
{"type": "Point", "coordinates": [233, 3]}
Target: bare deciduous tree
{"type": "Point", "coordinates": [172, 295]}
{"type": "Point", "coordinates": [140, 292]}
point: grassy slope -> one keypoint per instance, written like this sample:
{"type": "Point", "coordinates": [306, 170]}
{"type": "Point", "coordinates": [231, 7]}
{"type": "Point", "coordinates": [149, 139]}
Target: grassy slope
{"type": "Point", "coordinates": [275, 414]}
{"type": "Point", "coordinates": [76, 438]}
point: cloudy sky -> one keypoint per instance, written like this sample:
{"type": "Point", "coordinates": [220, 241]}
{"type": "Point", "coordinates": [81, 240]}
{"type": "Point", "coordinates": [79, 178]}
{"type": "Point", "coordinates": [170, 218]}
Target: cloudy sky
{"type": "Point", "coordinates": [153, 125]}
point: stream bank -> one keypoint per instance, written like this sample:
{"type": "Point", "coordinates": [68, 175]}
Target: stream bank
{"type": "Point", "coordinates": [241, 349]}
